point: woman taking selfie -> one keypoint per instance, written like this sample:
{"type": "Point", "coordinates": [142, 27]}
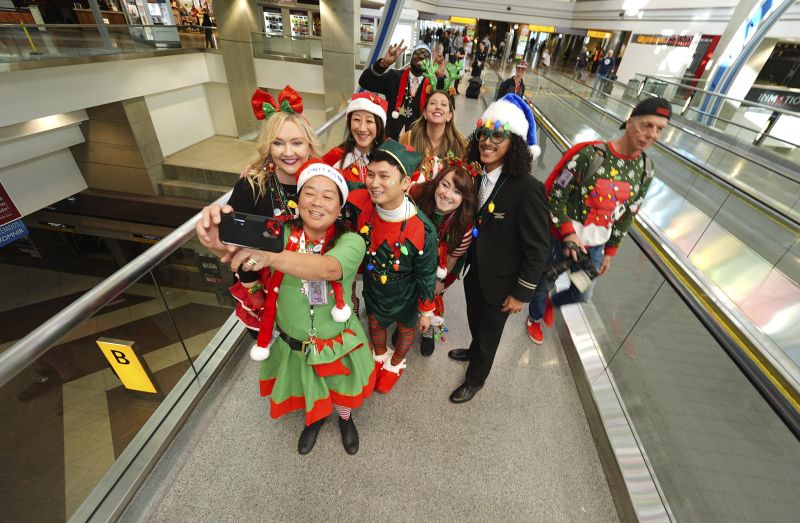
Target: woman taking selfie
{"type": "Point", "coordinates": [366, 124]}
{"type": "Point", "coordinates": [315, 356]}
{"type": "Point", "coordinates": [449, 202]}
{"type": "Point", "coordinates": [268, 185]}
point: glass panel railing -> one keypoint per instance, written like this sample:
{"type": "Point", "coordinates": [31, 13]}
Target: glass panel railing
{"type": "Point", "coordinates": [736, 244]}
{"type": "Point", "coordinates": [714, 447]}
{"type": "Point", "coordinates": [305, 47]}
{"type": "Point", "coordinates": [68, 417]}
{"type": "Point", "coordinates": [28, 42]}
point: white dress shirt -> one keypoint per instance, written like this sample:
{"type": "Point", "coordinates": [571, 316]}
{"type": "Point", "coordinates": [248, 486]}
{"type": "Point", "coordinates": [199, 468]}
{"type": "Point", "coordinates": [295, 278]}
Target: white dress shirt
{"type": "Point", "coordinates": [487, 185]}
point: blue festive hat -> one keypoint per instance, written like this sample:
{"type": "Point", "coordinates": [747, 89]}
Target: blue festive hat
{"type": "Point", "coordinates": [514, 111]}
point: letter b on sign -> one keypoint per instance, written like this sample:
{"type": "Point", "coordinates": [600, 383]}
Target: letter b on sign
{"type": "Point", "coordinates": [131, 369]}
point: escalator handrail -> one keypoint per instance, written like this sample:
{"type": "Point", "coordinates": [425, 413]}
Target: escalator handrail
{"type": "Point", "coordinates": [754, 200]}
{"type": "Point", "coordinates": [775, 169]}
{"type": "Point", "coordinates": [723, 96]}
{"type": "Point", "coordinates": [764, 364]}
{"type": "Point", "coordinates": [26, 350]}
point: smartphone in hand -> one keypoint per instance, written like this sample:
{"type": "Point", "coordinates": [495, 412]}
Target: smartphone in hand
{"type": "Point", "coordinates": [263, 233]}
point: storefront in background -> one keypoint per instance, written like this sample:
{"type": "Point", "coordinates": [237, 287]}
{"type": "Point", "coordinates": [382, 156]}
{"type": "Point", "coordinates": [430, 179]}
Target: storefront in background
{"type": "Point", "coordinates": [296, 19]}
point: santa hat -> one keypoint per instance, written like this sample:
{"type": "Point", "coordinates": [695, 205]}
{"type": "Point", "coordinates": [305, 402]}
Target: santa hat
{"type": "Point", "coordinates": [422, 45]}
{"type": "Point", "coordinates": [512, 114]}
{"type": "Point", "coordinates": [370, 102]}
{"type": "Point", "coordinates": [316, 167]}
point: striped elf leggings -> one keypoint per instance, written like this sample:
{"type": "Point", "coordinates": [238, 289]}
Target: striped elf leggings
{"type": "Point", "coordinates": [377, 334]}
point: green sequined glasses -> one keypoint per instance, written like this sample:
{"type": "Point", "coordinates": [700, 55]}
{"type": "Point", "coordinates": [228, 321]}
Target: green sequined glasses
{"type": "Point", "coordinates": [497, 137]}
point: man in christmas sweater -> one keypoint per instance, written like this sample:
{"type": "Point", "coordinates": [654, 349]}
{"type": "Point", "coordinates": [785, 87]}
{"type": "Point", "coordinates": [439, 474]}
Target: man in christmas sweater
{"type": "Point", "coordinates": [401, 258]}
{"type": "Point", "coordinates": [594, 193]}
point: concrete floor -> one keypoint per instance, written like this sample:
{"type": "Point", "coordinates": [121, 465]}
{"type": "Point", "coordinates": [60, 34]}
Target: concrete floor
{"type": "Point", "coordinates": [521, 450]}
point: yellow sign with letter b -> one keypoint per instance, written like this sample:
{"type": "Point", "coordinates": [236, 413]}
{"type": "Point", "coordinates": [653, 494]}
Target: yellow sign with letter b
{"type": "Point", "coordinates": [130, 368]}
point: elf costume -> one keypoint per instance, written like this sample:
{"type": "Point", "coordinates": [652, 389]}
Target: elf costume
{"type": "Point", "coordinates": [354, 164]}
{"type": "Point", "coordinates": [315, 355]}
{"type": "Point", "coordinates": [400, 270]}
{"type": "Point", "coordinates": [444, 230]}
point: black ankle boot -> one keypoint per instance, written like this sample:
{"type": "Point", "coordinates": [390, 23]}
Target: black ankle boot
{"type": "Point", "coordinates": [349, 435]}
{"type": "Point", "coordinates": [426, 346]}
{"type": "Point", "coordinates": [309, 437]}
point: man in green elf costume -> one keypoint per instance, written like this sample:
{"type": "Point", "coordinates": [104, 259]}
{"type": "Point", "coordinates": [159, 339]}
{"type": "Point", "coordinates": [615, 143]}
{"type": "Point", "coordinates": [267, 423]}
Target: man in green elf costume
{"type": "Point", "coordinates": [401, 259]}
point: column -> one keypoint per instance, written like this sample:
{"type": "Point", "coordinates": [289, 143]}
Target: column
{"type": "Point", "coordinates": [339, 37]}
{"type": "Point", "coordinates": [237, 20]}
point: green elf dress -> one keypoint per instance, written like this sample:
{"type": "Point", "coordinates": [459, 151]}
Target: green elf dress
{"type": "Point", "coordinates": [314, 360]}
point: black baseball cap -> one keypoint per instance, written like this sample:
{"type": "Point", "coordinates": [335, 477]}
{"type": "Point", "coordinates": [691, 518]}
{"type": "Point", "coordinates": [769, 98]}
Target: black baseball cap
{"type": "Point", "coordinates": [654, 105]}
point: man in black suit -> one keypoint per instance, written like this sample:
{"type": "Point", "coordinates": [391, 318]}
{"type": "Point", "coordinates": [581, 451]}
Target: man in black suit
{"type": "Point", "coordinates": [508, 254]}
{"type": "Point", "coordinates": [406, 90]}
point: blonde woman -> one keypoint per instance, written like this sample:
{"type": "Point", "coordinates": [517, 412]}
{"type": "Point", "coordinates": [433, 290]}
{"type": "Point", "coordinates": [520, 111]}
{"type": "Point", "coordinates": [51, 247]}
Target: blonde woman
{"type": "Point", "coordinates": [268, 186]}
{"type": "Point", "coordinates": [435, 134]}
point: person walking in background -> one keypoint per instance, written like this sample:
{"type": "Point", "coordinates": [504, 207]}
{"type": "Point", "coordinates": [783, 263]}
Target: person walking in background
{"type": "Point", "coordinates": [479, 60]}
{"type": "Point", "coordinates": [604, 71]}
{"type": "Point", "coordinates": [515, 84]}
{"type": "Point", "coordinates": [207, 24]}
{"type": "Point", "coordinates": [580, 64]}
{"type": "Point", "coordinates": [545, 60]}
{"type": "Point", "coordinates": [594, 193]}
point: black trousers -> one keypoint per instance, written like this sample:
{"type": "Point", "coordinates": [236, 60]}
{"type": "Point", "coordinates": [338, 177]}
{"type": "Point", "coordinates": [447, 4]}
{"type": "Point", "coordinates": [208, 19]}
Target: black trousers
{"type": "Point", "coordinates": [486, 323]}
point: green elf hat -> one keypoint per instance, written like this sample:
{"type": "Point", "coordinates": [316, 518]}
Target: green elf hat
{"type": "Point", "coordinates": [406, 158]}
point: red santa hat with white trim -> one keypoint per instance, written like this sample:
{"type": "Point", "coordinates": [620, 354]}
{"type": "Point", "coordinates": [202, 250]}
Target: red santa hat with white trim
{"type": "Point", "coordinates": [370, 102]}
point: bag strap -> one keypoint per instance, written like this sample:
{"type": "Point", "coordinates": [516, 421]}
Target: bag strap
{"type": "Point", "coordinates": [597, 160]}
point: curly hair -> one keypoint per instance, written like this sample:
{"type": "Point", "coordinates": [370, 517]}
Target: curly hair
{"type": "Point", "coordinates": [462, 221]}
{"type": "Point", "coordinates": [517, 161]}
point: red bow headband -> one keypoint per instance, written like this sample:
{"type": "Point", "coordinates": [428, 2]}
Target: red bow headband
{"type": "Point", "coordinates": [264, 105]}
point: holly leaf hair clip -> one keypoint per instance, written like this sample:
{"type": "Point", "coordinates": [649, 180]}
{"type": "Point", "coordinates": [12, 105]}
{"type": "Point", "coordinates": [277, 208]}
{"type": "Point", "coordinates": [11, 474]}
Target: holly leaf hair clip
{"type": "Point", "coordinates": [473, 168]}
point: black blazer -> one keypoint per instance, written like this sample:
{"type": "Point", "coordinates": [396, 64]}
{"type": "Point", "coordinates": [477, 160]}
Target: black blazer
{"type": "Point", "coordinates": [513, 241]}
{"type": "Point", "coordinates": [383, 81]}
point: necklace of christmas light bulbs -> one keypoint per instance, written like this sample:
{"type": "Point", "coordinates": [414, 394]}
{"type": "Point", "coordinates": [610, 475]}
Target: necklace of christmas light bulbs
{"type": "Point", "coordinates": [399, 248]}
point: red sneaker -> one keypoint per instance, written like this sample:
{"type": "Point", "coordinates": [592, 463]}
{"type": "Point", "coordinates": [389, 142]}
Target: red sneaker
{"type": "Point", "coordinates": [548, 312]}
{"type": "Point", "coordinates": [535, 332]}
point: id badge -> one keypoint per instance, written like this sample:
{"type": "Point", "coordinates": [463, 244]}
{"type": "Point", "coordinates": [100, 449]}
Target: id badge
{"type": "Point", "coordinates": [318, 293]}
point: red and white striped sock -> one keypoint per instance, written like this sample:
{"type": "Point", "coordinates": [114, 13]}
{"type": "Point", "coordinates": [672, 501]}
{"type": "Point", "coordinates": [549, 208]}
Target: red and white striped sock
{"type": "Point", "coordinates": [343, 412]}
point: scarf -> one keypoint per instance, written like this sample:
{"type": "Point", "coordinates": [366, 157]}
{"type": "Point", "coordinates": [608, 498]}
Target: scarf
{"type": "Point", "coordinates": [401, 92]}
{"type": "Point", "coordinates": [272, 284]}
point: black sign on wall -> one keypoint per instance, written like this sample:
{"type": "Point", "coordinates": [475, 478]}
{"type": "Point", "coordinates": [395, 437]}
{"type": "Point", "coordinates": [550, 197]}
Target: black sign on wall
{"type": "Point", "coordinates": [782, 99]}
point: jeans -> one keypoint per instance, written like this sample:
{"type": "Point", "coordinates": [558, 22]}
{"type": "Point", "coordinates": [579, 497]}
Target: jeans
{"type": "Point", "coordinates": [599, 82]}
{"type": "Point", "coordinates": [571, 295]}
